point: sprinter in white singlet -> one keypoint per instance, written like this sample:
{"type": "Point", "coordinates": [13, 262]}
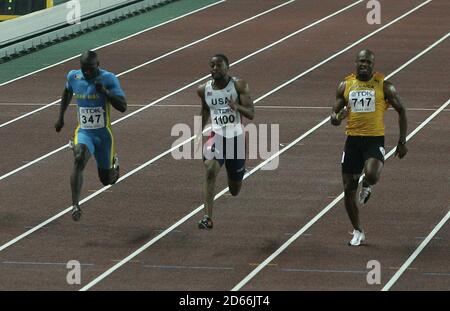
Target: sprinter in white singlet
{"type": "Point", "coordinates": [225, 100]}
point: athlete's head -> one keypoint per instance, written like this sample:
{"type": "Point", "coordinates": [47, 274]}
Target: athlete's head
{"type": "Point", "coordinates": [219, 66]}
{"type": "Point", "coordinates": [365, 61]}
{"type": "Point", "coordinates": [89, 64]}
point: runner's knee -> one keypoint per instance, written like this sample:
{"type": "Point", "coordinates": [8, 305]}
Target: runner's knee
{"type": "Point", "coordinates": [372, 177]}
{"type": "Point", "coordinates": [80, 157]}
{"type": "Point", "coordinates": [211, 171]}
{"type": "Point", "coordinates": [350, 185]}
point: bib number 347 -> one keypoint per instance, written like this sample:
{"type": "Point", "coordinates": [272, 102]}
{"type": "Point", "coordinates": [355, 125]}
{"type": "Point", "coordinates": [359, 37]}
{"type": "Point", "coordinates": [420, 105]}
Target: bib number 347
{"type": "Point", "coordinates": [92, 118]}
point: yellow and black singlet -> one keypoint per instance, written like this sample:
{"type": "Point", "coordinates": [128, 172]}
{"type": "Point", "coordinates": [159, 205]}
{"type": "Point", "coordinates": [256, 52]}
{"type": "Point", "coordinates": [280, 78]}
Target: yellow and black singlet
{"type": "Point", "coordinates": [366, 105]}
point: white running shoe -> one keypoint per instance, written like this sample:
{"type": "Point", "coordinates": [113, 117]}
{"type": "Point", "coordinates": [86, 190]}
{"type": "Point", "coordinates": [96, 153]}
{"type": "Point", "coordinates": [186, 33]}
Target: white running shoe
{"type": "Point", "coordinates": [364, 195]}
{"type": "Point", "coordinates": [71, 144]}
{"type": "Point", "coordinates": [358, 238]}
{"type": "Point", "coordinates": [116, 162]}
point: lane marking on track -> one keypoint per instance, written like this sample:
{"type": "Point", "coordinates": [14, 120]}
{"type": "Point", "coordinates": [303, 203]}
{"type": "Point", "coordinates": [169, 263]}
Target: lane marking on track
{"type": "Point", "coordinates": [187, 267]}
{"type": "Point", "coordinates": [35, 263]}
{"type": "Point", "coordinates": [324, 270]}
{"type": "Point", "coordinates": [114, 42]}
{"type": "Point", "coordinates": [130, 173]}
{"type": "Point", "coordinates": [187, 216]}
{"type": "Point", "coordinates": [198, 106]}
{"type": "Point", "coordinates": [194, 83]}
{"type": "Point", "coordinates": [436, 274]}
{"type": "Point", "coordinates": [221, 193]}
{"type": "Point", "coordinates": [158, 58]}
{"type": "Point", "coordinates": [418, 250]}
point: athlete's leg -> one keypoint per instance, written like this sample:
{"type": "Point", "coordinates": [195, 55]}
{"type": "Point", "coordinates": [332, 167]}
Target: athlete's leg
{"type": "Point", "coordinates": [373, 164]}
{"type": "Point", "coordinates": [108, 176]}
{"type": "Point", "coordinates": [81, 157]}
{"type": "Point", "coordinates": [212, 170]}
{"type": "Point", "coordinates": [235, 171]}
{"type": "Point", "coordinates": [235, 165]}
{"type": "Point", "coordinates": [352, 165]}
{"type": "Point", "coordinates": [372, 171]}
{"type": "Point", "coordinates": [235, 187]}
{"type": "Point", "coordinates": [107, 164]}
{"type": "Point", "coordinates": [350, 186]}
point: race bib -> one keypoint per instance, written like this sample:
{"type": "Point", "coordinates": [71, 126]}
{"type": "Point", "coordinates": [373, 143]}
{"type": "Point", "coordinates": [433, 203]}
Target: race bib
{"type": "Point", "coordinates": [223, 117]}
{"type": "Point", "coordinates": [362, 100]}
{"type": "Point", "coordinates": [91, 117]}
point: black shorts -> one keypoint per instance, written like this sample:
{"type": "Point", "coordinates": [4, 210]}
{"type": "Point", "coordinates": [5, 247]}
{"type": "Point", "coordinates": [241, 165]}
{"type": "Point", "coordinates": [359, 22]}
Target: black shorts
{"type": "Point", "coordinates": [230, 151]}
{"type": "Point", "coordinates": [360, 148]}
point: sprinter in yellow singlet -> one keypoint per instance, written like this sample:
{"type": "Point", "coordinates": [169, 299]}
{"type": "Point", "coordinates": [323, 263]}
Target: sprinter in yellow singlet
{"type": "Point", "coordinates": [364, 98]}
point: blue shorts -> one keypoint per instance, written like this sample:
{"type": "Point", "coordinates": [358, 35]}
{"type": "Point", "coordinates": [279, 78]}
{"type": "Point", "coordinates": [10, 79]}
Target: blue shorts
{"type": "Point", "coordinates": [100, 143]}
{"type": "Point", "coordinates": [230, 151]}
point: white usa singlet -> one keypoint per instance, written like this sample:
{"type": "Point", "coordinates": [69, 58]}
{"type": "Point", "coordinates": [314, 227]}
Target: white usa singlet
{"type": "Point", "coordinates": [225, 121]}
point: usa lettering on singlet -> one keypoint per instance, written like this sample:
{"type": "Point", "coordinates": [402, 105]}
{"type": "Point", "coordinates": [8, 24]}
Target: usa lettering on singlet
{"type": "Point", "coordinates": [225, 121]}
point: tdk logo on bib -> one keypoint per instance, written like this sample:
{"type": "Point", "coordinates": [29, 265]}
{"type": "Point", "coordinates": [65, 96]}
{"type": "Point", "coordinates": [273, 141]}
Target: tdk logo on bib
{"type": "Point", "coordinates": [91, 110]}
{"type": "Point", "coordinates": [362, 100]}
{"type": "Point", "coordinates": [91, 117]}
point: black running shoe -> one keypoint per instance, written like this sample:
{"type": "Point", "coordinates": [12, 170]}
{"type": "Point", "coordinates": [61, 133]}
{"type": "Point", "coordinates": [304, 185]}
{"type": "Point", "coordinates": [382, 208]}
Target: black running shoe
{"type": "Point", "coordinates": [206, 223]}
{"type": "Point", "coordinates": [76, 213]}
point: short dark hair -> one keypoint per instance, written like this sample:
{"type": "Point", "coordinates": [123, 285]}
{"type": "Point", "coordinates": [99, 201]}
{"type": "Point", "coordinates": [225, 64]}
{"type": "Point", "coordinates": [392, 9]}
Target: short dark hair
{"type": "Point", "coordinates": [366, 51]}
{"type": "Point", "coordinates": [223, 57]}
{"type": "Point", "coordinates": [89, 55]}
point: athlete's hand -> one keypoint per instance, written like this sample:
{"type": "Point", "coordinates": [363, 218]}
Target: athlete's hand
{"type": "Point", "coordinates": [101, 88]}
{"type": "Point", "coordinates": [59, 125]}
{"type": "Point", "coordinates": [341, 115]}
{"type": "Point", "coordinates": [401, 150]}
{"type": "Point", "coordinates": [336, 118]}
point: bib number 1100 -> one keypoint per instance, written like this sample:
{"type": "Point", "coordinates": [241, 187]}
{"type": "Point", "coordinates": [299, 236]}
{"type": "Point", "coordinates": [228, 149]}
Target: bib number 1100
{"type": "Point", "coordinates": [222, 120]}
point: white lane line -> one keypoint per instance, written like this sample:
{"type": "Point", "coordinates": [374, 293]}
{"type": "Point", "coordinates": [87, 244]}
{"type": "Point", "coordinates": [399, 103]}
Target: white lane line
{"type": "Point", "coordinates": [34, 161]}
{"type": "Point", "coordinates": [324, 271]}
{"type": "Point", "coordinates": [140, 167]}
{"type": "Point", "coordinates": [114, 42]}
{"type": "Point", "coordinates": [353, 45]}
{"type": "Point", "coordinates": [221, 193]}
{"type": "Point", "coordinates": [34, 263]}
{"type": "Point", "coordinates": [187, 267]}
{"type": "Point", "coordinates": [158, 58]}
{"type": "Point", "coordinates": [192, 84]}
{"type": "Point", "coordinates": [174, 226]}
{"type": "Point", "coordinates": [252, 274]}
{"type": "Point", "coordinates": [165, 232]}
{"type": "Point", "coordinates": [436, 273]}
{"type": "Point", "coordinates": [416, 253]}
{"type": "Point", "coordinates": [198, 106]}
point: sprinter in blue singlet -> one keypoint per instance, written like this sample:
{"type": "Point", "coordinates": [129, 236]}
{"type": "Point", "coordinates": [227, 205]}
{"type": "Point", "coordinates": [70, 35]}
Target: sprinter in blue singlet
{"type": "Point", "coordinates": [95, 91]}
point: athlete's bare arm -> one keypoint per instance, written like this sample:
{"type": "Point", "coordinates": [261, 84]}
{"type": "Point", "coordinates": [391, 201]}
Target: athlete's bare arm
{"type": "Point", "coordinates": [391, 96]}
{"type": "Point", "coordinates": [338, 114]}
{"type": "Point", "coordinates": [65, 101]}
{"type": "Point", "coordinates": [118, 102]}
{"type": "Point", "coordinates": [205, 112]}
{"type": "Point", "coordinates": [246, 106]}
